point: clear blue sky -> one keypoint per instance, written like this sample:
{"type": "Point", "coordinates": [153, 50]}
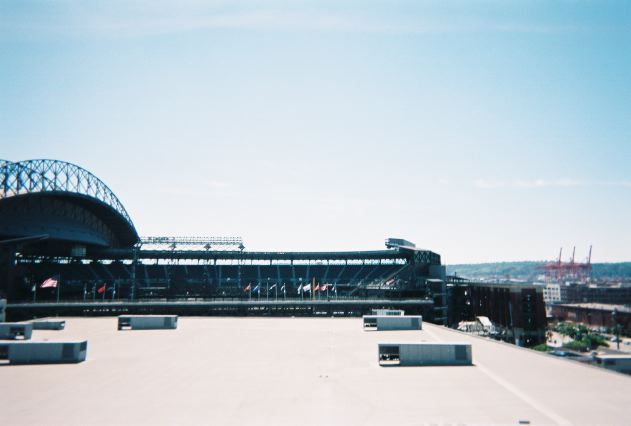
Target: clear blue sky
{"type": "Point", "coordinates": [483, 130]}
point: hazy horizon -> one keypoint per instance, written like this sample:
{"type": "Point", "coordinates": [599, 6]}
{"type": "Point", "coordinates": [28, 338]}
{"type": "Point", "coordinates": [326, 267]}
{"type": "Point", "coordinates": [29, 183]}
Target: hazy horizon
{"type": "Point", "coordinates": [485, 131]}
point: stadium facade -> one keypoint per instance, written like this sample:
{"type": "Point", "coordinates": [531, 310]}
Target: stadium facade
{"type": "Point", "coordinates": [58, 220]}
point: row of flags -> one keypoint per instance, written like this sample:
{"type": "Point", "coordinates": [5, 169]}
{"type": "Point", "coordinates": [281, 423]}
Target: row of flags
{"type": "Point", "coordinates": [316, 287]}
{"type": "Point", "coordinates": [303, 288]}
{"type": "Point", "coordinates": [53, 282]}
{"type": "Point", "coordinates": [257, 288]}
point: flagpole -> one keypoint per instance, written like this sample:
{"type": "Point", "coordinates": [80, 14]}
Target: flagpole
{"type": "Point", "coordinates": [58, 288]}
{"type": "Point", "coordinates": [85, 291]}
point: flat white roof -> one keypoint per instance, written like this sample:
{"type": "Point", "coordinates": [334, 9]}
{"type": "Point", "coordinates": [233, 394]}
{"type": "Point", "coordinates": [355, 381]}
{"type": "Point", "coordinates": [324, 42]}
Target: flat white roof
{"type": "Point", "coordinates": [305, 371]}
{"type": "Point", "coordinates": [599, 306]}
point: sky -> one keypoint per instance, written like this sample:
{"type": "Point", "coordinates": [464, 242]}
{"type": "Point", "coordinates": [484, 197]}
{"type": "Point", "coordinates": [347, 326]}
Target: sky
{"type": "Point", "coordinates": [483, 130]}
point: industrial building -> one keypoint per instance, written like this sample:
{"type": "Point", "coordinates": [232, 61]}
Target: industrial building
{"type": "Point", "coordinates": [573, 292]}
{"type": "Point", "coordinates": [595, 315]}
{"type": "Point", "coordinates": [517, 311]}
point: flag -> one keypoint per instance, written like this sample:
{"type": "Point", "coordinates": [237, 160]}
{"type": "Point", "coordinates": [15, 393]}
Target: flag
{"type": "Point", "coordinates": [282, 288]}
{"type": "Point", "coordinates": [323, 287]}
{"type": "Point", "coordinates": [299, 288]}
{"type": "Point", "coordinates": [272, 287]}
{"type": "Point", "coordinates": [247, 288]}
{"type": "Point", "coordinates": [50, 282]}
{"type": "Point", "coordinates": [315, 286]}
{"type": "Point", "coordinates": [101, 289]}
{"type": "Point", "coordinates": [390, 281]}
{"type": "Point", "coordinates": [255, 289]}
{"type": "Point", "coordinates": [306, 287]}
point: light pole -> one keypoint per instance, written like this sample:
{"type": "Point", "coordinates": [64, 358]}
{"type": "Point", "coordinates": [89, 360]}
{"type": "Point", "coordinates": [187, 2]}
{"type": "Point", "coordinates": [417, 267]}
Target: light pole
{"type": "Point", "coordinates": [302, 294]}
{"type": "Point", "coordinates": [614, 317]}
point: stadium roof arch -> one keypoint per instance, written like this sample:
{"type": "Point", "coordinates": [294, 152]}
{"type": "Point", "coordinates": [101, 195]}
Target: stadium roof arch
{"type": "Point", "coordinates": [64, 202]}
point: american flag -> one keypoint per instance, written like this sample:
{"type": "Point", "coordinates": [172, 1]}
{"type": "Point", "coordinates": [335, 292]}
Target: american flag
{"type": "Point", "coordinates": [50, 282]}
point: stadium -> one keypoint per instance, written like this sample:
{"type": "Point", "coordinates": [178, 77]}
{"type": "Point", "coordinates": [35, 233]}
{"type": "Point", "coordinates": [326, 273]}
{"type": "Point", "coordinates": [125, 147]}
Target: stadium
{"type": "Point", "coordinates": [61, 223]}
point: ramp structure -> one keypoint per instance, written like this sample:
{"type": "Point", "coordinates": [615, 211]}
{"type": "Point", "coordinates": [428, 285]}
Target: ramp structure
{"type": "Point", "coordinates": [424, 353]}
{"type": "Point", "coordinates": [390, 322]}
{"type": "Point", "coordinates": [147, 322]}
{"type": "Point", "coordinates": [389, 312]}
{"type": "Point", "coordinates": [48, 324]}
{"type": "Point", "coordinates": [43, 352]}
{"type": "Point", "coordinates": [15, 330]}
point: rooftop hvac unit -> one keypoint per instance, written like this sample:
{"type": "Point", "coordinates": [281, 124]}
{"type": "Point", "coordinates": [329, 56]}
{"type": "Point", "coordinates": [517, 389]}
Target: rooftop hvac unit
{"type": "Point", "coordinates": [147, 322]}
{"type": "Point", "coordinates": [424, 353]}
{"type": "Point", "coordinates": [43, 352]}
{"type": "Point", "coordinates": [388, 312]}
{"type": "Point", "coordinates": [389, 322]}
{"type": "Point", "coordinates": [48, 324]}
{"type": "Point", "coordinates": [16, 330]}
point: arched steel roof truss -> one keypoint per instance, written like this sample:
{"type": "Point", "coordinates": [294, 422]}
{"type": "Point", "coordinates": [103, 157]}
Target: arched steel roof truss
{"type": "Point", "coordinates": [34, 176]}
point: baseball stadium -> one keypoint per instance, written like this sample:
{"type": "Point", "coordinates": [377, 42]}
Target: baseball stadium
{"type": "Point", "coordinates": [68, 246]}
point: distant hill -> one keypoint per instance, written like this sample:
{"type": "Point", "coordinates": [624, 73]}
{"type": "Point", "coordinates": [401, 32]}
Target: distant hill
{"type": "Point", "coordinates": [530, 270]}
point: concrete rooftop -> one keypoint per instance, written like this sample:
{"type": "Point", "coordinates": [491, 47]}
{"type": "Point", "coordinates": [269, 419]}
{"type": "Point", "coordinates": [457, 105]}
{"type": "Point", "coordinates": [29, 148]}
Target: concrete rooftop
{"type": "Point", "coordinates": [306, 371]}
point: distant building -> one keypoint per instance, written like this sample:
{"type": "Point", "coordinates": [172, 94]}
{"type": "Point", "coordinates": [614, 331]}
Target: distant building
{"type": "Point", "coordinates": [581, 293]}
{"type": "Point", "coordinates": [594, 314]}
{"type": "Point", "coordinates": [516, 309]}
{"type": "Point", "coordinates": [573, 293]}
{"type": "Point", "coordinates": [552, 294]}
